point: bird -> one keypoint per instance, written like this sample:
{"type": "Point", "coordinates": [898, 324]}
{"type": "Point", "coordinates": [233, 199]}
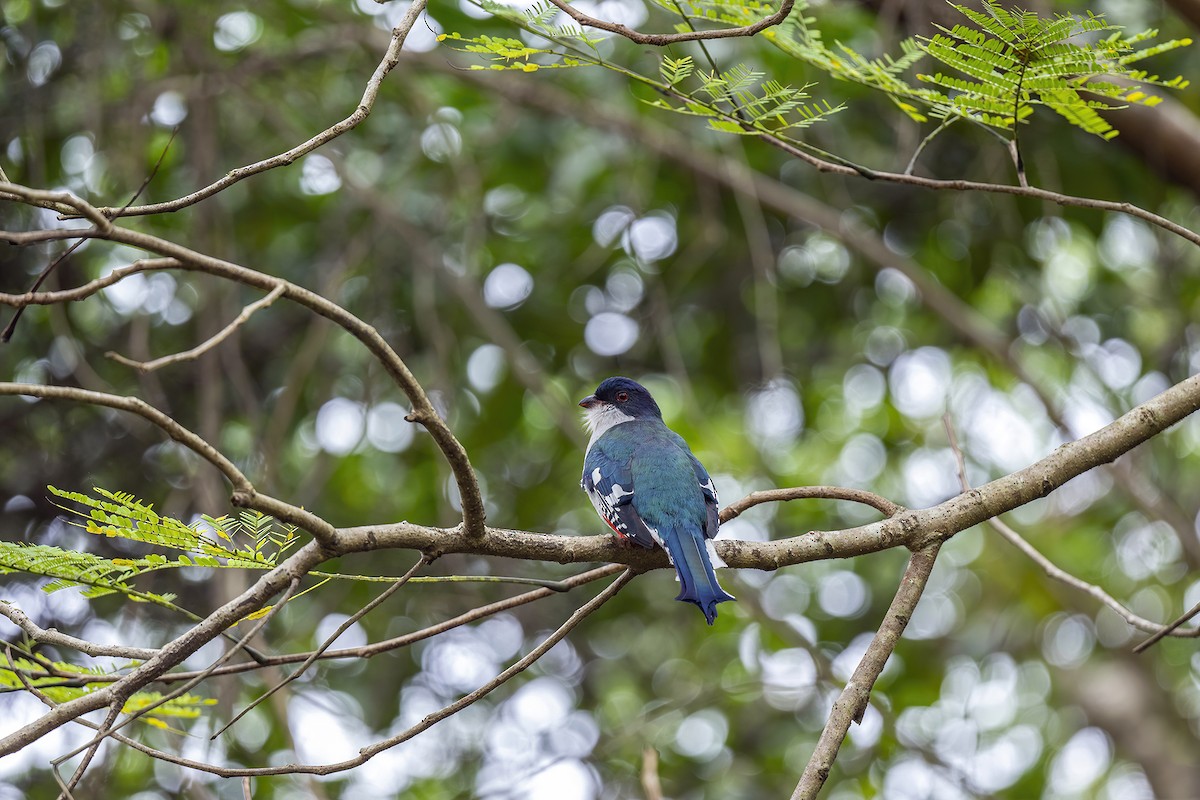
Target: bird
{"type": "Point", "coordinates": [651, 490]}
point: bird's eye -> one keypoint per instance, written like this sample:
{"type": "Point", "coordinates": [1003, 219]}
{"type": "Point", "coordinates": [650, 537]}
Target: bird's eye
{"type": "Point", "coordinates": [622, 397]}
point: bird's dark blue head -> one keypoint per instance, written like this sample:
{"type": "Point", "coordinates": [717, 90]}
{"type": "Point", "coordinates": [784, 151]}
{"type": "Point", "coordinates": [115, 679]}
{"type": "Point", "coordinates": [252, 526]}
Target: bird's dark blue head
{"type": "Point", "coordinates": [626, 396]}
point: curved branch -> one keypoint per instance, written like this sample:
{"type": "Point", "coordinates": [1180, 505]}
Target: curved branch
{"type": "Point", "coordinates": [144, 410]}
{"type": "Point", "coordinates": [423, 412]}
{"type": "Point", "coordinates": [880, 504]}
{"type": "Point", "coordinates": [663, 39]}
{"type": "Point", "coordinates": [205, 346]}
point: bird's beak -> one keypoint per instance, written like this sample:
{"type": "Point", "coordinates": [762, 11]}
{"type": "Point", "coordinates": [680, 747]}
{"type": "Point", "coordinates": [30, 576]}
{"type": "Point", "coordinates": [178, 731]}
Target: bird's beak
{"type": "Point", "coordinates": [589, 401]}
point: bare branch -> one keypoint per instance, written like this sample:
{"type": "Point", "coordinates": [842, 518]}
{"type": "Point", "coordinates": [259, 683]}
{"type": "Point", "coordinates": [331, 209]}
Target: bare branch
{"type": "Point", "coordinates": [369, 752]}
{"type": "Point", "coordinates": [390, 59]}
{"type": "Point", "coordinates": [144, 410]}
{"type": "Point", "coordinates": [173, 652]}
{"type": "Point", "coordinates": [54, 637]}
{"type": "Point", "coordinates": [880, 504]}
{"type": "Point", "coordinates": [423, 412]}
{"type": "Point", "coordinates": [201, 349]}
{"type": "Point", "coordinates": [88, 289]}
{"type": "Point", "coordinates": [362, 612]}
{"type": "Point", "coordinates": [1059, 574]}
{"type": "Point", "coordinates": [395, 643]}
{"type": "Point", "coordinates": [663, 39]}
{"type": "Point", "coordinates": [852, 703]}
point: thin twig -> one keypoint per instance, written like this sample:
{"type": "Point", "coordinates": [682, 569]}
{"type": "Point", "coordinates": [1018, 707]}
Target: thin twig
{"type": "Point", "coordinates": [177, 692]}
{"type": "Point", "coordinates": [201, 349]}
{"type": "Point", "coordinates": [662, 39]}
{"type": "Point", "coordinates": [852, 703]}
{"type": "Point", "coordinates": [362, 612]}
{"type": "Point", "coordinates": [367, 753]}
{"type": "Point", "coordinates": [912, 162]}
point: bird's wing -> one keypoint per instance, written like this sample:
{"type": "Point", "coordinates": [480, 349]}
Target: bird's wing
{"type": "Point", "coordinates": [711, 501]}
{"type": "Point", "coordinates": [608, 481]}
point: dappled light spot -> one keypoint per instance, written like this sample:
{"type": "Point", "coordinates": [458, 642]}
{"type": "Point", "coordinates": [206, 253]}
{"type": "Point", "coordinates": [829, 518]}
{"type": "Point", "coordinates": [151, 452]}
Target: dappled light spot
{"type": "Point", "coordinates": [170, 109]}
{"type": "Point", "coordinates": [507, 286]}
{"type": "Point", "coordinates": [843, 593]}
{"type": "Point", "coordinates": [930, 476]}
{"type": "Point", "coordinates": [623, 290]}
{"type": "Point", "coordinates": [820, 258]}
{"type": "Point", "coordinates": [774, 416]}
{"type": "Point", "coordinates": [702, 735]}
{"type": "Point", "coordinates": [1145, 548]}
{"type": "Point", "coordinates": [651, 238]}
{"type": "Point", "coordinates": [387, 428]}
{"type": "Point", "coordinates": [894, 288]}
{"type": "Point", "coordinates": [1080, 763]}
{"type": "Point", "coordinates": [610, 334]}
{"type": "Point", "coordinates": [319, 176]}
{"type": "Point", "coordinates": [485, 367]}
{"type": "Point", "coordinates": [43, 62]}
{"type": "Point", "coordinates": [862, 458]}
{"type": "Point", "coordinates": [441, 141]}
{"type": "Point", "coordinates": [1067, 640]}
{"type": "Point", "coordinates": [920, 382]}
{"type": "Point", "coordinates": [353, 636]}
{"type": "Point", "coordinates": [1117, 362]}
{"type": "Point", "coordinates": [337, 715]}
{"type": "Point", "coordinates": [77, 154]}
{"type": "Point", "coordinates": [340, 425]}
{"type": "Point", "coordinates": [789, 678]}
{"type": "Point", "coordinates": [884, 344]}
{"type": "Point", "coordinates": [863, 387]}
{"type": "Point", "coordinates": [236, 30]}
{"type": "Point", "coordinates": [611, 225]}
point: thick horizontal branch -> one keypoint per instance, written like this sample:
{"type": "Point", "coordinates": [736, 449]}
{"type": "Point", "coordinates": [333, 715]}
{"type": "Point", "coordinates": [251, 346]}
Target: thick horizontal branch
{"type": "Point", "coordinates": [911, 528]}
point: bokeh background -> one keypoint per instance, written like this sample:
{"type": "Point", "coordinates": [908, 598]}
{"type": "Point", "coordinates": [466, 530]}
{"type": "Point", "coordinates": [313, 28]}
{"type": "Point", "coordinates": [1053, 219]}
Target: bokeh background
{"type": "Point", "coordinates": [519, 237]}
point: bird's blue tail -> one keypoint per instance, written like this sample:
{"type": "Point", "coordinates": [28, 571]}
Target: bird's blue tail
{"type": "Point", "coordinates": [697, 581]}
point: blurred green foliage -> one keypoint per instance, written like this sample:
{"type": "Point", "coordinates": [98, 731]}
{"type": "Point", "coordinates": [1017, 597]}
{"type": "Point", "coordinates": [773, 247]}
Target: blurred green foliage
{"type": "Point", "coordinates": [780, 353]}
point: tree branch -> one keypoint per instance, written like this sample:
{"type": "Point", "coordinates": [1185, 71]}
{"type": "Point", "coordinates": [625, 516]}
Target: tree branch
{"type": "Point", "coordinates": [852, 703]}
{"type": "Point", "coordinates": [663, 39]}
{"type": "Point", "coordinates": [54, 637]}
{"type": "Point", "coordinates": [201, 349]}
{"type": "Point", "coordinates": [390, 58]}
{"type": "Point", "coordinates": [423, 411]}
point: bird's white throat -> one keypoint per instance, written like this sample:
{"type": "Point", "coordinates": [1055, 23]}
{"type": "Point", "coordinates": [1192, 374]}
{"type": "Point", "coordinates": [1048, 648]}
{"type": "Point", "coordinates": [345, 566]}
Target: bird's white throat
{"type": "Point", "coordinates": [600, 418]}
